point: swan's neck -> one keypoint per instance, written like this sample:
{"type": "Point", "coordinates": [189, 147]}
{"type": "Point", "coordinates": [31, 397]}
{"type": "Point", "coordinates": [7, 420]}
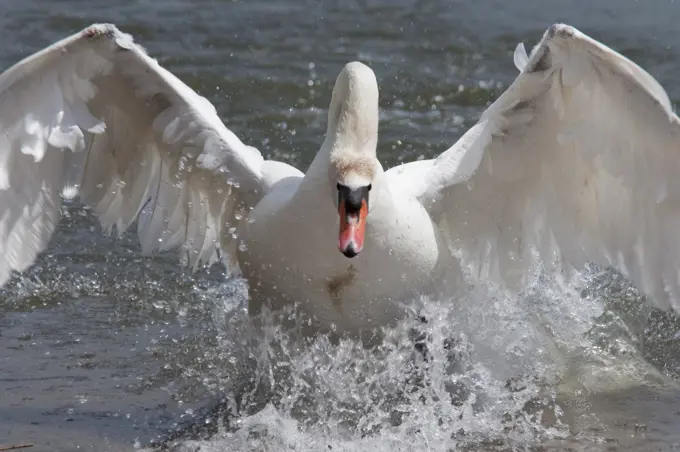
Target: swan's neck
{"type": "Point", "coordinates": [348, 153]}
{"type": "Point", "coordinates": [353, 114]}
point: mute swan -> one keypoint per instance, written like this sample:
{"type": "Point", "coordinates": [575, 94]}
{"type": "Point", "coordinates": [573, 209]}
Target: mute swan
{"type": "Point", "coordinates": [577, 161]}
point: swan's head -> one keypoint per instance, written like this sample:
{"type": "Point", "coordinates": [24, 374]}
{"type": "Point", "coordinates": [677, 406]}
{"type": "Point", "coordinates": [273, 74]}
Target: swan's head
{"type": "Point", "coordinates": [353, 136]}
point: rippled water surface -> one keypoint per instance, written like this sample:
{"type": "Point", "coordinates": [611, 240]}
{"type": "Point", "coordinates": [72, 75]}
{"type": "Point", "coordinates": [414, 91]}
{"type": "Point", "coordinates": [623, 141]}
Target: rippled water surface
{"type": "Point", "coordinates": [104, 349]}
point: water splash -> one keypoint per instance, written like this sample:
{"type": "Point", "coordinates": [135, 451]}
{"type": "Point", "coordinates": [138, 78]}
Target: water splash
{"type": "Point", "coordinates": [500, 370]}
{"type": "Point", "coordinates": [489, 371]}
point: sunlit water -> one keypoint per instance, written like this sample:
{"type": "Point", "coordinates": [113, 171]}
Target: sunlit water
{"type": "Point", "coordinates": [104, 349]}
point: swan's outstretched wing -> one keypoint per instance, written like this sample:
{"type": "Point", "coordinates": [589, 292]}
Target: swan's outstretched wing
{"type": "Point", "coordinates": [93, 115]}
{"type": "Point", "coordinates": [578, 160]}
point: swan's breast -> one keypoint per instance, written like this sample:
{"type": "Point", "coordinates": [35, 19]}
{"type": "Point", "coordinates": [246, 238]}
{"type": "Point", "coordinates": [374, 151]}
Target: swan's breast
{"type": "Point", "coordinates": [294, 258]}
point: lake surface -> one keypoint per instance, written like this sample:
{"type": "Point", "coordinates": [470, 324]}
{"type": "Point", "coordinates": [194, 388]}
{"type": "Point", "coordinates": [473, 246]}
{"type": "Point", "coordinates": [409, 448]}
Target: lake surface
{"type": "Point", "coordinates": [103, 349]}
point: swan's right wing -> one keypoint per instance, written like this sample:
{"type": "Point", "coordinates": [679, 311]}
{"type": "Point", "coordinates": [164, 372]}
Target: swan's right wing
{"type": "Point", "coordinates": [577, 161]}
{"type": "Point", "coordinates": [93, 115]}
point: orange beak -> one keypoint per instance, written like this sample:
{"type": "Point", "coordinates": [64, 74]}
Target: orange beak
{"type": "Point", "coordinates": [352, 229]}
{"type": "Point", "coordinates": [353, 210]}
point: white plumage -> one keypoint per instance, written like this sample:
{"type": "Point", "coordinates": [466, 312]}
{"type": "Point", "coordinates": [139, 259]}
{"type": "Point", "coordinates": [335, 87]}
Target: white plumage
{"type": "Point", "coordinates": [577, 161]}
{"type": "Point", "coordinates": [142, 144]}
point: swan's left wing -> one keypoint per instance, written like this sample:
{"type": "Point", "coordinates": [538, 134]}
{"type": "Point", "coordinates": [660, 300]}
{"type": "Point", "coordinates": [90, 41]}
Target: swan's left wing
{"type": "Point", "coordinates": [94, 115]}
{"type": "Point", "coordinates": [578, 161]}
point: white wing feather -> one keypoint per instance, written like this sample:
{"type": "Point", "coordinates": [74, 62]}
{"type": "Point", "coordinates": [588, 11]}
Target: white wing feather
{"type": "Point", "coordinates": [578, 161]}
{"type": "Point", "coordinates": [94, 115]}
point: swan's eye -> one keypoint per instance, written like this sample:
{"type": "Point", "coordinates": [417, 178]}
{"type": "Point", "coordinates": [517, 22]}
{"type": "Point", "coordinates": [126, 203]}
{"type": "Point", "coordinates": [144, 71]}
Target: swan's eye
{"type": "Point", "coordinates": [370, 186]}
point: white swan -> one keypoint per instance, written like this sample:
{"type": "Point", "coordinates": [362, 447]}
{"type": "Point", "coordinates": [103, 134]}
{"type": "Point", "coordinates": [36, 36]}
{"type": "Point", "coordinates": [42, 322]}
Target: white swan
{"type": "Point", "coordinates": [577, 161]}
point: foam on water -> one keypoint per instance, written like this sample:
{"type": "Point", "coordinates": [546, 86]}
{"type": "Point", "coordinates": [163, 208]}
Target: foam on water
{"type": "Point", "coordinates": [497, 372]}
